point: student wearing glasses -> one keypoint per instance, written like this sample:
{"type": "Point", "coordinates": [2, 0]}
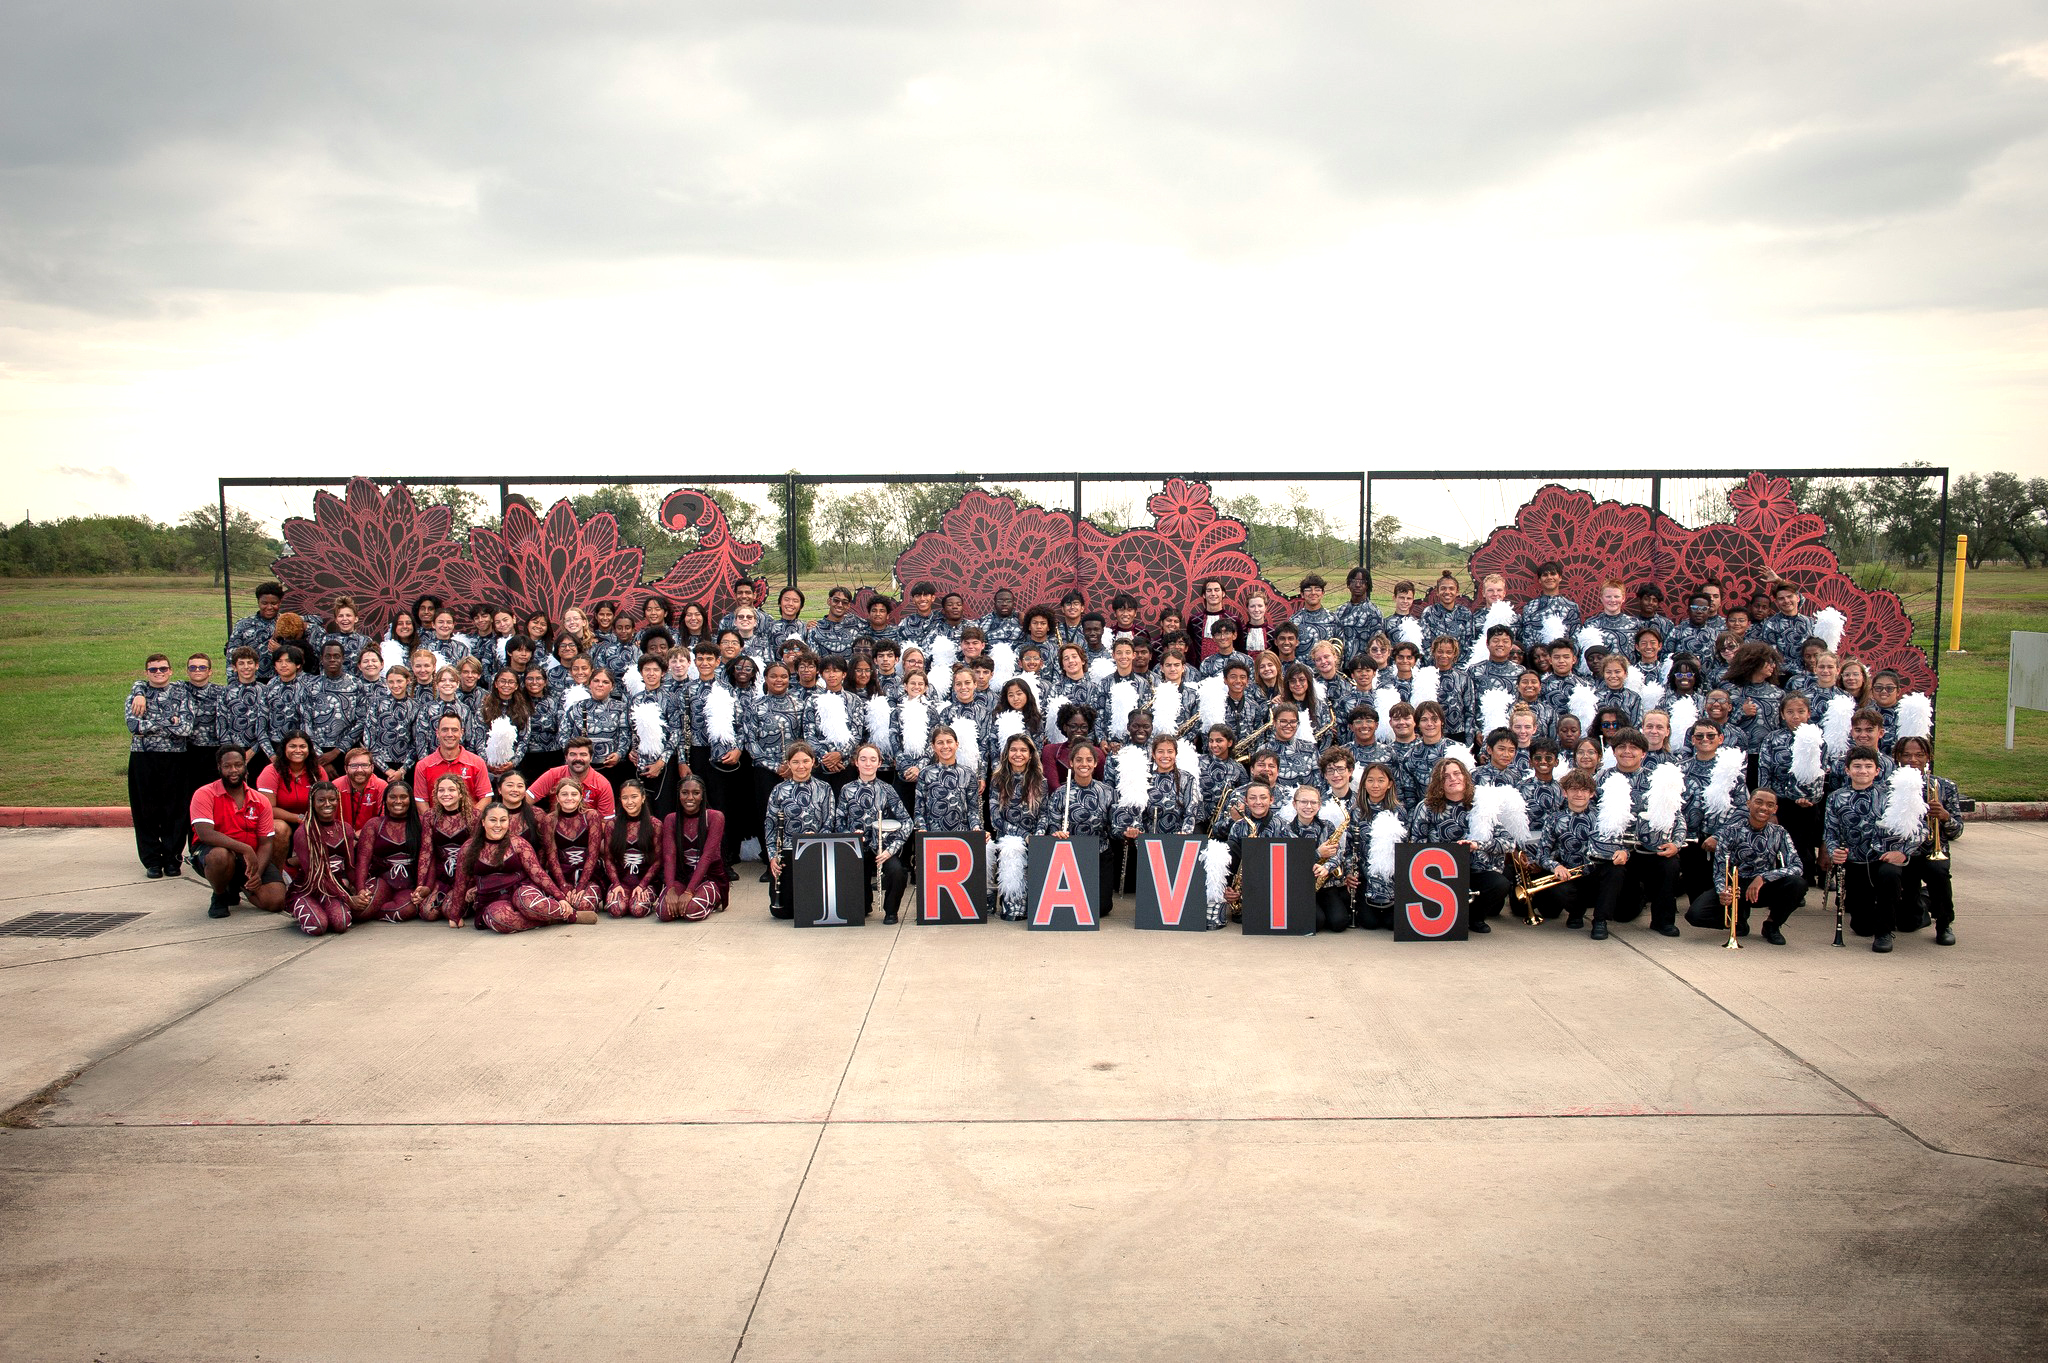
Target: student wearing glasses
{"type": "Point", "coordinates": [159, 718]}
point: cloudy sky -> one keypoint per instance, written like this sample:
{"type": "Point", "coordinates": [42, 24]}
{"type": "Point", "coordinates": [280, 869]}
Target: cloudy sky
{"type": "Point", "coordinates": [904, 235]}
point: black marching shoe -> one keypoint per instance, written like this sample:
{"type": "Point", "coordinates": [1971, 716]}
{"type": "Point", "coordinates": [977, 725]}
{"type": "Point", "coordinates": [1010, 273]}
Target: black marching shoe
{"type": "Point", "coordinates": [889, 917]}
{"type": "Point", "coordinates": [154, 873]}
{"type": "Point", "coordinates": [1668, 929]}
{"type": "Point", "coordinates": [1883, 942]}
{"type": "Point", "coordinates": [1773, 936]}
{"type": "Point", "coordinates": [1599, 929]}
{"type": "Point", "coordinates": [1480, 925]}
{"type": "Point", "coordinates": [1944, 935]}
{"type": "Point", "coordinates": [218, 908]}
{"type": "Point", "coordinates": [1576, 921]}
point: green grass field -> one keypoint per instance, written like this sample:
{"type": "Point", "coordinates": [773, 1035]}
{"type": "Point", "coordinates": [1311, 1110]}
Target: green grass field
{"type": "Point", "coordinates": [70, 648]}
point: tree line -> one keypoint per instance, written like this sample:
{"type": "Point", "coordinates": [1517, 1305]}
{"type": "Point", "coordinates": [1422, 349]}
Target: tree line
{"type": "Point", "coordinates": [114, 546]}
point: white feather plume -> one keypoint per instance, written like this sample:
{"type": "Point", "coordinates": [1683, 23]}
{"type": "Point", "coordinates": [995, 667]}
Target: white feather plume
{"type": "Point", "coordinates": [1186, 759]}
{"type": "Point", "coordinates": [1010, 866]}
{"type": "Point", "coordinates": [1485, 818]}
{"type": "Point", "coordinates": [1685, 712]}
{"type": "Point", "coordinates": [1166, 708]}
{"type": "Point", "coordinates": [1806, 754]}
{"type": "Point", "coordinates": [1617, 807]}
{"type": "Point", "coordinates": [500, 742]}
{"type": "Point", "coordinates": [1584, 707]}
{"type": "Point", "coordinates": [916, 719]}
{"type": "Point", "coordinates": [1328, 810]}
{"type": "Point", "coordinates": [1212, 693]}
{"type": "Point", "coordinates": [878, 724]}
{"type": "Point", "coordinates": [633, 682]}
{"type": "Point", "coordinates": [1493, 710]}
{"type": "Point", "coordinates": [969, 734]}
{"type": "Point", "coordinates": [1053, 732]}
{"type": "Point", "coordinates": [1423, 688]}
{"type": "Point", "coordinates": [1834, 726]}
{"type": "Point", "coordinates": [1905, 803]}
{"type": "Point", "coordinates": [1215, 870]}
{"type": "Point", "coordinates": [719, 707]}
{"type": "Point", "coordinates": [651, 730]}
{"type": "Point", "coordinates": [1729, 765]}
{"type": "Point", "coordinates": [1590, 637]}
{"type": "Point", "coordinates": [1386, 830]}
{"type": "Point", "coordinates": [1916, 715]}
{"type": "Point", "coordinates": [1606, 759]}
{"type": "Point", "coordinates": [393, 654]}
{"type": "Point", "coordinates": [939, 666]}
{"type": "Point", "coordinates": [1408, 630]}
{"type": "Point", "coordinates": [1665, 798]}
{"type": "Point", "coordinates": [1650, 693]}
{"type": "Point", "coordinates": [1552, 628]}
{"type": "Point", "coordinates": [1464, 755]}
{"type": "Point", "coordinates": [1009, 724]}
{"type": "Point", "coordinates": [1133, 777]}
{"type": "Point", "coordinates": [1827, 626]}
{"type": "Point", "coordinates": [1514, 815]}
{"type": "Point", "coordinates": [833, 723]}
{"type": "Point", "coordinates": [1004, 656]}
{"type": "Point", "coordinates": [1384, 700]}
{"type": "Point", "coordinates": [1101, 669]}
{"type": "Point", "coordinates": [1123, 698]}
{"type": "Point", "coordinates": [574, 697]}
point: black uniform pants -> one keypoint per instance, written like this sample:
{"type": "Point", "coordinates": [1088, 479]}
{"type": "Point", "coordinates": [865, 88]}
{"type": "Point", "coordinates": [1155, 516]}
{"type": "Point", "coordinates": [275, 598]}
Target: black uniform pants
{"type": "Point", "coordinates": [894, 875]}
{"type": "Point", "coordinates": [1489, 892]}
{"type": "Point", "coordinates": [158, 804]}
{"type": "Point", "coordinates": [1570, 900]}
{"type": "Point", "coordinates": [1870, 893]}
{"type": "Point", "coordinates": [1777, 899]}
{"type": "Point", "coordinates": [1333, 908]}
{"type": "Point", "coordinates": [1624, 888]}
{"type": "Point", "coordinates": [1802, 824]}
{"type": "Point", "coordinates": [1933, 877]}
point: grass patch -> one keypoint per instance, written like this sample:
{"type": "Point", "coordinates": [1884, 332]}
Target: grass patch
{"type": "Point", "coordinates": [69, 649]}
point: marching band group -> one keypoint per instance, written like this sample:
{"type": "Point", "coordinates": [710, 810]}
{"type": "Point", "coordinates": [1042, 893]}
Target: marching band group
{"type": "Point", "coordinates": [511, 772]}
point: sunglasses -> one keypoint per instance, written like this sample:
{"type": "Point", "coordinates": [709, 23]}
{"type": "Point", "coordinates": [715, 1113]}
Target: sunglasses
{"type": "Point", "coordinates": [196, 667]}
{"type": "Point", "coordinates": [157, 667]}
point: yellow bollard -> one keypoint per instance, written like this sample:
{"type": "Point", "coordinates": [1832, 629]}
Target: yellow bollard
{"type": "Point", "coordinates": [1955, 612]}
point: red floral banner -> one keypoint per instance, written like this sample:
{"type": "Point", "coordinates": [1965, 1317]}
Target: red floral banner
{"type": "Point", "coordinates": [385, 551]}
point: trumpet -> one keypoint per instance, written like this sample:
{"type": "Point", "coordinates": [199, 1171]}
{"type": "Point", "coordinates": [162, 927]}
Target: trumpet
{"type": "Point", "coordinates": [1734, 892]}
{"type": "Point", "coordinates": [1527, 887]}
{"type": "Point", "coordinates": [1243, 748]}
{"type": "Point", "coordinates": [1934, 818]}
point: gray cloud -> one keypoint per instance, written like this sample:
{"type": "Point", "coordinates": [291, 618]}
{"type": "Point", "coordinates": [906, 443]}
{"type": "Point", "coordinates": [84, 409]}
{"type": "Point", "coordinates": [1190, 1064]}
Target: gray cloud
{"type": "Point", "coordinates": [152, 148]}
{"type": "Point", "coordinates": [106, 474]}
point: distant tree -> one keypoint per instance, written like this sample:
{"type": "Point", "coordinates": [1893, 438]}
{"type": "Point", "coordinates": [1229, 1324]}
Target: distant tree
{"type": "Point", "coordinates": [804, 553]}
{"type": "Point", "coordinates": [467, 505]}
{"type": "Point", "coordinates": [249, 546]}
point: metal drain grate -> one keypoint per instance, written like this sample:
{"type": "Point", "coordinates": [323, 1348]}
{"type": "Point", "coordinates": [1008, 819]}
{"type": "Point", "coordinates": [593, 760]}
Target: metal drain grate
{"type": "Point", "coordinates": [65, 924]}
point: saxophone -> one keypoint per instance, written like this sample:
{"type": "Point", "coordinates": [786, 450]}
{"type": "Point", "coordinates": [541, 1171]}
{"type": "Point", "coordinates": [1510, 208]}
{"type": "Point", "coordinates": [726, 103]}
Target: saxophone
{"type": "Point", "coordinates": [1243, 748]}
{"type": "Point", "coordinates": [1326, 869]}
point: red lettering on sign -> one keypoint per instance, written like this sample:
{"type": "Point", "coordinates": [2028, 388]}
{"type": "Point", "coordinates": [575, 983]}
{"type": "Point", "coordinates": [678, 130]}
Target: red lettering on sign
{"type": "Point", "coordinates": [1277, 890]}
{"type": "Point", "coordinates": [1435, 912]}
{"type": "Point", "coordinates": [1062, 889]}
{"type": "Point", "coordinates": [943, 868]}
{"type": "Point", "coordinates": [1173, 889]}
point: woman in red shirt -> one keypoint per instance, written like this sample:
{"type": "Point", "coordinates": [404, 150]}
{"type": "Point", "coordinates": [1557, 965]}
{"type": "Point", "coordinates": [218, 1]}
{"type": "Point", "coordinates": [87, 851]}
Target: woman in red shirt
{"type": "Point", "coordinates": [289, 782]}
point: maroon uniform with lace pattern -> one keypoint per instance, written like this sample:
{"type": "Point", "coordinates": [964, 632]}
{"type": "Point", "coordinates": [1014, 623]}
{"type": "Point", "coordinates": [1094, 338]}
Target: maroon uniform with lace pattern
{"type": "Point", "coordinates": [327, 869]}
{"type": "Point", "coordinates": [513, 890]}
{"type": "Point", "coordinates": [633, 870]}
{"type": "Point", "coordinates": [388, 864]}
{"type": "Point", "coordinates": [693, 860]}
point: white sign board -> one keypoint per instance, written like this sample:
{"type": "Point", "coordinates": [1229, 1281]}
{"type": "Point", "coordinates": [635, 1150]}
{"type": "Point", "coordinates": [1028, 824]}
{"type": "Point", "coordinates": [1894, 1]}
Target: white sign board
{"type": "Point", "coordinates": [2026, 678]}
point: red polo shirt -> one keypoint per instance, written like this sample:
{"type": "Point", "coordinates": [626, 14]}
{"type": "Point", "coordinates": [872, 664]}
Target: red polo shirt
{"type": "Point", "coordinates": [248, 824]}
{"type": "Point", "coordinates": [359, 809]}
{"type": "Point", "coordinates": [467, 765]}
{"type": "Point", "coordinates": [597, 791]}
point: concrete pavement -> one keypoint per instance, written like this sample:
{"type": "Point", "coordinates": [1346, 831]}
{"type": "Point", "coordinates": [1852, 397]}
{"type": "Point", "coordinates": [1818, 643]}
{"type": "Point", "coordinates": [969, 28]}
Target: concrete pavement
{"type": "Point", "coordinates": [732, 1139]}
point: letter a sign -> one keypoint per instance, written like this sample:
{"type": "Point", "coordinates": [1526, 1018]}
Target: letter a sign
{"type": "Point", "coordinates": [952, 878]}
{"type": "Point", "coordinates": [1061, 884]}
{"type": "Point", "coordinates": [1173, 887]}
{"type": "Point", "coordinates": [1430, 879]}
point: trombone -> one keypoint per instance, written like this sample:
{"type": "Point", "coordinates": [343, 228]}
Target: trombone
{"type": "Point", "coordinates": [1734, 892]}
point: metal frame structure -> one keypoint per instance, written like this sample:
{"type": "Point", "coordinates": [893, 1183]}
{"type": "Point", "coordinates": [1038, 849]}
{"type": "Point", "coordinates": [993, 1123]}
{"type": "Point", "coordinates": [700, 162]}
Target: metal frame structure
{"type": "Point", "coordinates": [1364, 478]}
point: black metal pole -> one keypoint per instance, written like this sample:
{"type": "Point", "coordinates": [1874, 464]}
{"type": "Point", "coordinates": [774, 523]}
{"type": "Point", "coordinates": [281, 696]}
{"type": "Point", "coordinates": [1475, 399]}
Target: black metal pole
{"type": "Point", "coordinates": [1656, 499]}
{"type": "Point", "coordinates": [1368, 523]}
{"type": "Point", "coordinates": [227, 577]}
{"type": "Point", "coordinates": [1361, 521]}
{"type": "Point", "coordinates": [1074, 572]}
{"type": "Point", "coordinates": [789, 520]}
